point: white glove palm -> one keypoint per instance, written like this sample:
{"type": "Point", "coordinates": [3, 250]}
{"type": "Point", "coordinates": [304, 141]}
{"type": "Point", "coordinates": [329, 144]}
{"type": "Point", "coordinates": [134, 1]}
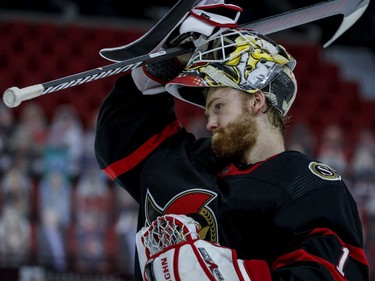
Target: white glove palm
{"type": "Point", "coordinates": [203, 261]}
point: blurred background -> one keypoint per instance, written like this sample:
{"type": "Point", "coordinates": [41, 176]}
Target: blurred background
{"type": "Point", "coordinates": [60, 217]}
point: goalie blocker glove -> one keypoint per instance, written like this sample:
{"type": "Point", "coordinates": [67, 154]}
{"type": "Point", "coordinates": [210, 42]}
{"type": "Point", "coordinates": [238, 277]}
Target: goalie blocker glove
{"type": "Point", "coordinates": [203, 261]}
{"type": "Point", "coordinates": [204, 20]}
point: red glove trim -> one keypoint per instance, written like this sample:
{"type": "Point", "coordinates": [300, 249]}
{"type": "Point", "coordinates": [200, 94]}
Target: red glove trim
{"type": "Point", "coordinates": [220, 5]}
{"type": "Point", "coordinates": [258, 270]}
{"type": "Point", "coordinates": [175, 264]}
{"type": "Point", "coordinates": [203, 264]}
{"type": "Point", "coordinates": [213, 23]}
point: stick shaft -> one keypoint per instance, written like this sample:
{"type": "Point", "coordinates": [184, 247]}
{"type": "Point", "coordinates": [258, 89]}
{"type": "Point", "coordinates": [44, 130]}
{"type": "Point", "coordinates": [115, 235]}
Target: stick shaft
{"type": "Point", "coordinates": [14, 96]}
{"type": "Point", "coordinates": [350, 9]}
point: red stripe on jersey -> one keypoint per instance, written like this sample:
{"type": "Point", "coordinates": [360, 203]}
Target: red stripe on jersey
{"type": "Point", "coordinates": [301, 255]}
{"type": "Point", "coordinates": [355, 252]}
{"type": "Point", "coordinates": [232, 170]}
{"type": "Point", "coordinates": [129, 162]}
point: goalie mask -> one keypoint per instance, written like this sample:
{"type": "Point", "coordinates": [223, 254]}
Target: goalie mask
{"type": "Point", "coordinates": [239, 59]}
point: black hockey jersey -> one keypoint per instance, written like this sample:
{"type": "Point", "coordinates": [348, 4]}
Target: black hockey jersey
{"type": "Point", "coordinates": [291, 211]}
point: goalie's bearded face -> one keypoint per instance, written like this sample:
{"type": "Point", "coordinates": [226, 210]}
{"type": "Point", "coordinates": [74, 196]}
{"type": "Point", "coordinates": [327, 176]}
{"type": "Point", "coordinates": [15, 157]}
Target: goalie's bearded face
{"type": "Point", "coordinates": [231, 122]}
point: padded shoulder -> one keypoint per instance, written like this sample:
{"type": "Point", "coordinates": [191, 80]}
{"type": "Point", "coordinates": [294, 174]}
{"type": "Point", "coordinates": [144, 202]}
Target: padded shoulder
{"type": "Point", "coordinates": [297, 174]}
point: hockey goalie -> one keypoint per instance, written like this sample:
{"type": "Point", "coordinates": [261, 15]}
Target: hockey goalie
{"type": "Point", "coordinates": [237, 205]}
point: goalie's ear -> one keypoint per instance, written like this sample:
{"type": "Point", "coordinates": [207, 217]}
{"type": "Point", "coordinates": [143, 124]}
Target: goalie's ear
{"type": "Point", "coordinates": [257, 102]}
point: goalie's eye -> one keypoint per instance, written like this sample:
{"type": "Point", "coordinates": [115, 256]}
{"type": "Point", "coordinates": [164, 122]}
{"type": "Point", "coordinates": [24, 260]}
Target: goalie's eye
{"type": "Point", "coordinates": [218, 107]}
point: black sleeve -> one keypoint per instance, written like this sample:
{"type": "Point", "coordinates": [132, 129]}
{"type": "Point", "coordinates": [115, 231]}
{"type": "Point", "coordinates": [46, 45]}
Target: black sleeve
{"type": "Point", "coordinates": [314, 232]}
{"type": "Point", "coordinates": [327, 237]}
{"type": "Point", "coordinates": [130, 126]}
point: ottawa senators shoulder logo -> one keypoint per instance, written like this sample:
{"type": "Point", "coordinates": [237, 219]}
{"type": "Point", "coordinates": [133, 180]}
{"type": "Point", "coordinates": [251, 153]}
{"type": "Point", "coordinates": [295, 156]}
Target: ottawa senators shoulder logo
{"type": "Point", "coordinates": [324, 171]}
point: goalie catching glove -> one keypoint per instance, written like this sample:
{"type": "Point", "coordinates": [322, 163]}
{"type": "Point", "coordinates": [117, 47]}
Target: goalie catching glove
{"type": "Point", "coordinates": [208, 18]}
{"type": "Point", "coordinates": [203, 261]}
{"type": "Point", "coordinates": [163, 232]}
{"type": "Point", "coordinates": [170, 250]}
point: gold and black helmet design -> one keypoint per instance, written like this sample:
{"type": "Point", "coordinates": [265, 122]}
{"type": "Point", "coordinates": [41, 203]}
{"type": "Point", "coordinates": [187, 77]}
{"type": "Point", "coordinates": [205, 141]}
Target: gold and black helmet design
{"type": "Point", "coordinates": [240, 59]}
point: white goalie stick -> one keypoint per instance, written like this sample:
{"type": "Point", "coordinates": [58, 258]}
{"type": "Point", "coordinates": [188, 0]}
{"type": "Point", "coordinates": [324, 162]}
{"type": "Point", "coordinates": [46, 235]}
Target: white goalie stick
{"type": "Point", "coordinates": [351, 10]}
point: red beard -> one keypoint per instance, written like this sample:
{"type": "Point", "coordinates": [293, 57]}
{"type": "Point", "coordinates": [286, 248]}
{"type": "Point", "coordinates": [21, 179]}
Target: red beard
{"type": "Point", "coordinates": [236, 138]}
